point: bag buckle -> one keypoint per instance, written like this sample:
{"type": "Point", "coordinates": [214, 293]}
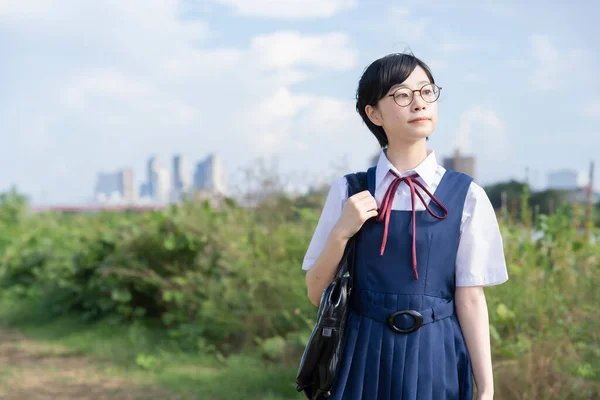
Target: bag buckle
{"type": "Point", "coordinates": [391, 321]}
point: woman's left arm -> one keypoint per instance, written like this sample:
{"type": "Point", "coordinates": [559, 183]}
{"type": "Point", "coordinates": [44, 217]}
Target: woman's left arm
{"type": "Point", "coordinates": [472, 312]}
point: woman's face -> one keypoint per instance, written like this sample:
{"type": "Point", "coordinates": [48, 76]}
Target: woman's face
{"type": "Point", "coordinates": [400, 123]}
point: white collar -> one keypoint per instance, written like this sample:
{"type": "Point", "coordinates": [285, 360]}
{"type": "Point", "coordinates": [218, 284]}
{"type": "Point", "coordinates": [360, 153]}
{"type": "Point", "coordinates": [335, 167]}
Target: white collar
{"type": "Point", "coordinates": [426, 169]}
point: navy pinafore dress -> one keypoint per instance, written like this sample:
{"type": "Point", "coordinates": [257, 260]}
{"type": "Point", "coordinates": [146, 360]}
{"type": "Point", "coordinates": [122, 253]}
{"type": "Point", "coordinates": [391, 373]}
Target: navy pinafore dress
{"type": "Point", "coordinates": [432, 362]}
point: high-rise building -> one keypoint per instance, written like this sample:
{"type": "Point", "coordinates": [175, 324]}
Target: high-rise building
{"type": "Point", "coordinates": [159, 181]}
{"type": "Point", "coordinates": [145, 191]}
{"type": "Point", "coordinates": [565, 179]}
{"type": "Point", "coordinates": [200, 176]}
{"type": "Point", "coordinates": [182, 178]}
{"type": "Point", "coordinates": [163, 186]}
{"type": "Point", "coordinates": [127, 185]}
{"type": "Point", "coordinates": [153, 167]}
{"type": "Point", "coordinates": [460, 163]}
{"type": "Point", "coordinates": [115, 186]}
{"type": "Point", "coordinates": [107, 186]}
{"type": "Point", "coordinates": [210, 175]}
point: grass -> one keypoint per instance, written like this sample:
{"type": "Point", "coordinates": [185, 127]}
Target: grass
{"type": "Point", "coordinates": [139, 354]}
{"type": "Point", "coordinates": [142, 355]}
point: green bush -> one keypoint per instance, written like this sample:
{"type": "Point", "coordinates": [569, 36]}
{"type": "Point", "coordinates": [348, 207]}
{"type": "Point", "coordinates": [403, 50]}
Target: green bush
{"type": "Point", "coordinates": [222, 280]}
{"type": "Point", "coordinates": [200, 272]}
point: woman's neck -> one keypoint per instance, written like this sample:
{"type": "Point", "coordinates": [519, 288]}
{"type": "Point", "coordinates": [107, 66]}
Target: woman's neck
{"type": "Point", "coordinates": [406, 157]}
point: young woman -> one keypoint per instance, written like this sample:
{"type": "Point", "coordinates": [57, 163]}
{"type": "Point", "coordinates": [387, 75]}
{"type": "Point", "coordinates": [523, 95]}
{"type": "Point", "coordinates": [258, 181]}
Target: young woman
{"type": "Point", "coordinates": [428, 242]}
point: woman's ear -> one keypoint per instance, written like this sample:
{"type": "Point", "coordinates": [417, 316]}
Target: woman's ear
{"type": "Point", "coordinates": [374, 115]}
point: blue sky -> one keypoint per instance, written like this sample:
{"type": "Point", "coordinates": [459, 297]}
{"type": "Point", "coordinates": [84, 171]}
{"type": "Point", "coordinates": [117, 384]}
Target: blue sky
{"type": "Point", "coordinates": [99, 85]}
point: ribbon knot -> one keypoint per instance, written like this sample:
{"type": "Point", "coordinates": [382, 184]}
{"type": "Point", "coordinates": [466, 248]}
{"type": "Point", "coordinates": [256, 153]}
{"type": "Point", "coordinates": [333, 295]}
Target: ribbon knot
{"type": "Point", "coordinates": [386, 208]}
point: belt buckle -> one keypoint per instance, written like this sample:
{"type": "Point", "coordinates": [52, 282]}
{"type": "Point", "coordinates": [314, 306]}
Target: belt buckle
{"type": "Point", "coordinates": [391, 321]}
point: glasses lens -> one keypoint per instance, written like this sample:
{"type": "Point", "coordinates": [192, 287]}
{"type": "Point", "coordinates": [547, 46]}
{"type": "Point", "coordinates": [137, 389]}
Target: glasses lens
{"type": "Point", "coordinates": [403, 97]}
{"type": "Point", "coordinates": [430, 93]}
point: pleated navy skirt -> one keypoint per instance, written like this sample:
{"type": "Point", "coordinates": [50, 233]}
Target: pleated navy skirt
{"type": "Point", "coordinates": [431, 362]}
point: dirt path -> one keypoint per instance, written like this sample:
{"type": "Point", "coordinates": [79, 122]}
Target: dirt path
{"type": "Point", "coordinates": [34, 371]}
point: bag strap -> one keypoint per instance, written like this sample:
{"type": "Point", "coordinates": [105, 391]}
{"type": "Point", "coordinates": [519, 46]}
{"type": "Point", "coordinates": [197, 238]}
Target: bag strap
{"type": "Point", "coordinates": [357, 182]}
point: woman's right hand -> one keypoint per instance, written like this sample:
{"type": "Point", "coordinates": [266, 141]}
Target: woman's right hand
{"type": "Point", "coordinates": [358, 208]}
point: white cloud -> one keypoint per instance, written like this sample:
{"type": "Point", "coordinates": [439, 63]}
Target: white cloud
{"type": "Point", "coordinates": [285, 121]}
{"type": "Point", "coordinates": [272, 120]}
{"type": "Point", "coordinates": [289, 9]}
{"type": "Point", "coordinates": [517, 64]}
{"type": "Point", "coordinates": [25, 9]}
{"type": "Point", "coordinates": [326, 115]}
{"type": "Point", "coordinates": [501, 10]}
{"type": "Point", "coordinates": [472, 77]}
{"type": "Point", "coordinates": [214, 62]}
{"type": "Point", "coordinates": [399, 11]}
{"type": "Point", "coordinates": [402, 25]}
{"type": "Point", "coordinates": [458, 45]}
{"type": "Point", "coordinates": [554, 69]}
{"type": "Point", "coordinates": [481, 131]}
{"type": "Point", "coordinates": [437, 65]}
{"type": "Point", "coordinates": [592, 110]}
{"type": "Point", "coordinates": [125, 21]}
{"type": "Point", "coordinates": [114, 97]}
{"type": "Point", "coordinates": [287, 49]}
{"type": "Point", "coordinates": [543, 49]}
{"type": "Point", "coordinates": [491, 7]}
{"type": "Point", "coordinates": [109, 83]}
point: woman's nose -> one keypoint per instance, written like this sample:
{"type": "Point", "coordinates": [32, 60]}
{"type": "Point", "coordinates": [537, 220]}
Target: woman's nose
{"type": "Point", "coordinates": [418, 103]}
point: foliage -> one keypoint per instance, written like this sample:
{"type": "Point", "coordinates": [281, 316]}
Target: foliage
{"type": "Point", "coordinates": [213, 277]}
{"type": "Point", "coordinates": [220, 280]}
{"type": "Point", "coordinates": [546, 201]}
{"type": "Point", "coordinates": [513, 190]}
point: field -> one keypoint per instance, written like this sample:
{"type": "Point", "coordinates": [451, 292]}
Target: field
{"type": "Point", "coordinates": [201, 303]}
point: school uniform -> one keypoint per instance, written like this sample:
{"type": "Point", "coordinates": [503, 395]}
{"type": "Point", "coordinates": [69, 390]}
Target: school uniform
{"type": "Point", "coordinates": [412, 257]}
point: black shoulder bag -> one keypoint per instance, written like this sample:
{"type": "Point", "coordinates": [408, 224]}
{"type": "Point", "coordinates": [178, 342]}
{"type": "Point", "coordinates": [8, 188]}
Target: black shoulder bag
{"type": "Point", "coordinates": [320, 362]}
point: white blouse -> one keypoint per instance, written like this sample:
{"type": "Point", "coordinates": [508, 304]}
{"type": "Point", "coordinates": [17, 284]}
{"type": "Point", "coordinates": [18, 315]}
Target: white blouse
{"type": "Point", "coordinates": [480, 259]}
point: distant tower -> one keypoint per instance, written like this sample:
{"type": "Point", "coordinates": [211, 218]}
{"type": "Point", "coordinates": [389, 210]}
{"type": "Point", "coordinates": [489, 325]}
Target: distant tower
{"type": "Point", "coordinates": [164, 186]}
{"type": "Point", "coordinates": [460, 163]}
{"type": "Point", "coordinates": [565, 179]}
{"type": "Point", "coordinates": [127, 185]}
{"type": "Point", "coordinates": [115, 186]}
{"type": "Point", "coordinates": [107, 186]}
{"type": "Point", "coordinates": [210, 175]}
{"type": "Point", "coordinates": [145, 190]}
{"type": "Point", "coordinates": [216, 174]}
{"type": "Point", "coordinates": [158, 181]}
{"type": "Point", "coordinates": [182, 177]}
{"type": "Point", "coordinates": [152, 170]}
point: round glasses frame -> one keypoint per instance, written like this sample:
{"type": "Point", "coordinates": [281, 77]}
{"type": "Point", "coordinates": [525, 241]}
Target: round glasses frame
{"type": "Point", "coordinates": [433, 86]}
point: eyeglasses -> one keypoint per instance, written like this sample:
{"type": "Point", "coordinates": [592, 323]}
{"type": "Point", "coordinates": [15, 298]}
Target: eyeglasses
{"type": "Point", "coordinates": [404, 96]}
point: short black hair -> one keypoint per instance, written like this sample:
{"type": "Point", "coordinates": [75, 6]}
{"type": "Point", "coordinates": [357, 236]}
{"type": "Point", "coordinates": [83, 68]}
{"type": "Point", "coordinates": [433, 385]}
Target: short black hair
{"type": "Point", "coordinates": [376, 81]}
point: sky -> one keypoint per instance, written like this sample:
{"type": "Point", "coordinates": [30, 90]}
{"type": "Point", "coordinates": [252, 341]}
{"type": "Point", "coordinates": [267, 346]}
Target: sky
{"type": "Point", "coordinates": [94, 86]}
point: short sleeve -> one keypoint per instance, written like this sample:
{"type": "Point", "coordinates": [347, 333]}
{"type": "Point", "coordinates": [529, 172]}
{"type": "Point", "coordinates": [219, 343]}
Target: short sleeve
{"type": "Point", "coordinates": [332, 209]}
{"type": "Point", "coordinates": [480, 259]}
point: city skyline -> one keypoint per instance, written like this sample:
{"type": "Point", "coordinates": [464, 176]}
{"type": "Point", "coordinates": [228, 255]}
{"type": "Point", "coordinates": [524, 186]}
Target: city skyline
{"type": "Point", "coordinates": [556, 178]}
{"type": "Point", "coordinates": [161, 184]}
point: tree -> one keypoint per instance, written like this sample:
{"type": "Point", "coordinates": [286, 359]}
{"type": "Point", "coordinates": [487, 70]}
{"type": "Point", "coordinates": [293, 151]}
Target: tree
{"type": "Point", "coordinates": [12, 206]}
{"type": "Point", "coordinates": [513, 189]}
{"type": "Point", "coordinates": [547, 201]}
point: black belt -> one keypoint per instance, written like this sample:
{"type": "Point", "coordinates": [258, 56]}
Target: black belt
{"type": "Point", "coordinates": [419, 318]}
